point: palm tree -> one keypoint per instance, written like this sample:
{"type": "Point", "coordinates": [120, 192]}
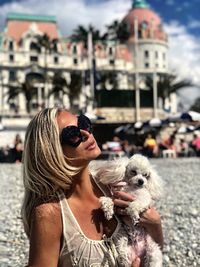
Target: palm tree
{"type": "Point", "coordinates": [80, 34]}
{"type": "Point", "coordinates": [118, 31]}
{"type": "Point", "coordinates": [108, 77]}
{"type": "Point", "coordinates": [74, 87]}
{"type": "Point", "coordinates": [62, 87]}
{"type": "Point", "coordinates": [26, 88]}
{"type": "Point", "coordinates": [167, 85]}
{"type": "Point", "coordinates": [59, 86]}
{"type": "Point", "coordinates": [49, 45]}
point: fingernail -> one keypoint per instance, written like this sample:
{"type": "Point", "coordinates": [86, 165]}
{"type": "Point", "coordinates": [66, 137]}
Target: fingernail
{"type": "Point", "coordinates": [137, 260]}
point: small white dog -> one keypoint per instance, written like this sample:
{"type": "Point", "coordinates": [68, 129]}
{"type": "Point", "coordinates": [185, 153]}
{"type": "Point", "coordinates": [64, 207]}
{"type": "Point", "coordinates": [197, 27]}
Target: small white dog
{"type": "Point", "coordinates": [137, 177]}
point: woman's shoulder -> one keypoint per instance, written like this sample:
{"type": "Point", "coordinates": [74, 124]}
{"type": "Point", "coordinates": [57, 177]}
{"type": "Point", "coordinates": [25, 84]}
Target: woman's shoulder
{"type": "Point", "coordinates": [46, 221]}
{"type": "Point", "coordinates": [47, 211]}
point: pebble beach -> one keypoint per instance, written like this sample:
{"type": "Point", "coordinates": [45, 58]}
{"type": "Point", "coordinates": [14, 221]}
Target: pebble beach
{"type": "Point", "coordinates": [179, 208]}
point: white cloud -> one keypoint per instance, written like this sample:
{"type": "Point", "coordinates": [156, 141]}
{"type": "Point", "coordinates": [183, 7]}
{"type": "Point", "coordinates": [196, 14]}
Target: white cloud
{"type": "Point", "coordinates": [194, 24]}
{"type": "Point", "coordinates": [170, 2]}
{"type": "Point", "coordinates": [71, 13]}
{"type": "Point", "coordinates": [184, 50]}
{"type": "Point", "coordinates": [184, 58]}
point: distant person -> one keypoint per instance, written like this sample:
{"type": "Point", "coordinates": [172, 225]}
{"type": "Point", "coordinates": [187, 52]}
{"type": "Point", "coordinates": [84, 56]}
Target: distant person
{"type": "Point", "coordinates": [168, 143]}
{"type": "Point", "coordinates": [114, 145]}
{"type": "Point", "coordinates": [183, 148]}
{"type": "Point", "coordinates": [18, 149]}
{"type": "Point", "coordinates": [127, 148]}
{"type": "Point", "coordinates": [196, 144]}
{"type": "Point", "coordinates": [150, 146]}
{"type": "Point", "coordinates": [61, 211]}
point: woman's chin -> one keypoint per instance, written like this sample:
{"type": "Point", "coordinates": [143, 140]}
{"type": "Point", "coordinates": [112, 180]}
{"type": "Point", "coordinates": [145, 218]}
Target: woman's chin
{"type": "Point", "coordinates": [93, 154]}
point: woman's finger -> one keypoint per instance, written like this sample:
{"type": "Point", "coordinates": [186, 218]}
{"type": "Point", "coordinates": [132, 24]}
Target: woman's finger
{"type": "Point", "coordinates": [124, 196]}
{"type": "Point", "coordinates": [136, 263]}
{"type": "Point", "coordinates": [121, 203]}
{"type": "Point", "coordinates": [150, 216]}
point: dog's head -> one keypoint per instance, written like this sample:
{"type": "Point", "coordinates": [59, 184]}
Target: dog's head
{"type": "Point", "coordinates": [140, 174]}
{"type": "Point", "coordinates": [111, 172]}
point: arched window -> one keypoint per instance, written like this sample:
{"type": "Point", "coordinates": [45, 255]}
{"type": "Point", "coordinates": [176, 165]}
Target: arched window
{"type": "Point", "coordinates": [34, 47]}
{"type": "Point", "coordinates": [10, 46]}
{"type": "Point", "coordinates": [74, 50]}
{"type": "Point", "coordinates": [55, 47]}
{"type": "Point", "coordinates": [110, 51]}
{"type": "Point", "coordinates": [144, 24]}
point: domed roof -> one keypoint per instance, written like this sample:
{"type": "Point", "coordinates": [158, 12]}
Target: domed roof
{"type": "Point", "coordinates": [147, 20]}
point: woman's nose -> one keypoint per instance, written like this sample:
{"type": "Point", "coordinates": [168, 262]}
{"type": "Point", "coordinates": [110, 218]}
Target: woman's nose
{"type": "Point", "coordinates": [85, 135]}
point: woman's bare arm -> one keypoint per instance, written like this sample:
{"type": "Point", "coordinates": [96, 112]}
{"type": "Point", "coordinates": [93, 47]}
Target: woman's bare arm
{"type": "Point", "coordinates": [45, 236]}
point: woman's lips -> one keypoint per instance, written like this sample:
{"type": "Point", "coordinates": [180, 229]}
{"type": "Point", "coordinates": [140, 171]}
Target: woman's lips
{"type": "Point", "coordinates": [91, 145]}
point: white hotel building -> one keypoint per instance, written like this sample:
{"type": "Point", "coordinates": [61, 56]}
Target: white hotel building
{"type": "Point", "coordinates": [145, 53]}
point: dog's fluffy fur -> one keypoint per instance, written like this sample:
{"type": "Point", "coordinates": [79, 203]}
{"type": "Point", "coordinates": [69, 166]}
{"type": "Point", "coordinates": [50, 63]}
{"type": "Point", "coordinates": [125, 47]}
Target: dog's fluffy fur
{"type": "Point", "coordinates": [137, 177]}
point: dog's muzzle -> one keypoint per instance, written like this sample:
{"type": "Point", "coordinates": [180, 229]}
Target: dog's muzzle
{"type": "Point", "coordinates": [140, 182]}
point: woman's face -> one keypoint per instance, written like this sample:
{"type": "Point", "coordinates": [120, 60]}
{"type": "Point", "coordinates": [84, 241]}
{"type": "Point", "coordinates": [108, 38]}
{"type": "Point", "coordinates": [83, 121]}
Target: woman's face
{"type": "Point", "coordinates": [87, 150]}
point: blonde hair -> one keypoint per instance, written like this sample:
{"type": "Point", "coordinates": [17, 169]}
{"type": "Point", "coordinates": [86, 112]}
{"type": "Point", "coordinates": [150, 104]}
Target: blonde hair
{"type": "Point", "coordinates": [45, 168]}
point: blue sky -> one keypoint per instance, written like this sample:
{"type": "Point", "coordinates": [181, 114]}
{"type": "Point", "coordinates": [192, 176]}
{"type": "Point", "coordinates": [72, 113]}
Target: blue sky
{"type": "Point", "coordinates": [181, 21]}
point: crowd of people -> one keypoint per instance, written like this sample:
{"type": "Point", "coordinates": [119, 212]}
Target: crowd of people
{"type": "Point", "coordinates": [12, 153]}
{"type": "Point", "coordinates": [154, 147]}
{"type": "Point", "coordinates": [150, 146]}
{"type": "Point", "coordinates": [61, 212]}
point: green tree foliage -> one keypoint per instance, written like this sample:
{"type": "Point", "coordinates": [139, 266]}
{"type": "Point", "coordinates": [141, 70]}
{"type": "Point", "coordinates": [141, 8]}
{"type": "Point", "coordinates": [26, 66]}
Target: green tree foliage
{"type": "Point", "coordinates": [108, 78]}
{"type": "Point", "coordinates": [80, 34]}
{"type": "Point", "coordinates": [26, 88]}
{"type": "Point", "coordinates": [71, 88]}
{"type": "Point", "coordinates": [118, 31]}
{"type": "Point", "coordinates": [168, 84]}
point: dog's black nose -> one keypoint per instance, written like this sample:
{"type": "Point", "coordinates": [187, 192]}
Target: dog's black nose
{"type": "Point", "coordinates": [140, 182]}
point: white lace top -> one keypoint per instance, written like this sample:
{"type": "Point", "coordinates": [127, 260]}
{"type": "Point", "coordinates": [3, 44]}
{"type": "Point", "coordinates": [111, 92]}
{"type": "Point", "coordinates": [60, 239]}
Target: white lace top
{"type": "Point", "coordinates": [78, 250]}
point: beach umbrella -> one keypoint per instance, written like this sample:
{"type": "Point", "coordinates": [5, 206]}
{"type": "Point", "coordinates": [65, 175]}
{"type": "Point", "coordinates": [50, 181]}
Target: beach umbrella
{"type": "Point", "coordinates": [174, 117]}
{"type": "Point", "coordinates": [182, 129]}
{"type": "Point", "coordinates": [154, 122]}
{"type": "Point", "coordinates": [119, 129]}
{"type": "Point", "coordinates": [185, 129]}
{"type": "Point", "coordinates": [1, 127]}
{"type": "Point", "coordinates": [138, 125]}
{"type": "Point", "coordinates": [190, 116]}
{"type": "Point", "coordinates": [130, 130]}
{"type": "Point", "coordinates": [94, 117]}
{"type": "Point", "coordinates": [190, 128]}
{"type": "Point", "coordinates": [123, 129]}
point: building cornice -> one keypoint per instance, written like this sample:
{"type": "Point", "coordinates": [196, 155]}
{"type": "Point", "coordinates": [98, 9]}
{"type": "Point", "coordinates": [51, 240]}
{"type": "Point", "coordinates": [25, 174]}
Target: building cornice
{"type": "Point", "coordinates": [31, 17]}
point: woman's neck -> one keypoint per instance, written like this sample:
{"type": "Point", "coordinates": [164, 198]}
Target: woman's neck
{"type": "Point", "coordinates": [83, 187]}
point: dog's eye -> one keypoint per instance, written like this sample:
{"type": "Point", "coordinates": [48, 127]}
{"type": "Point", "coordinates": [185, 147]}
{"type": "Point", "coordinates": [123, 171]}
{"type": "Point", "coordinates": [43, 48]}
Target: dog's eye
{"type": "Point", "coordinates": [146, 175]}
{"type": "Point", "coordinates": [133, 172]}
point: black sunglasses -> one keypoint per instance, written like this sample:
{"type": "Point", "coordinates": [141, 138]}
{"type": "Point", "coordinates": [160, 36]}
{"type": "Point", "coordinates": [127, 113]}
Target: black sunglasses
{"type": "Point", "coordinates": [71, 135]}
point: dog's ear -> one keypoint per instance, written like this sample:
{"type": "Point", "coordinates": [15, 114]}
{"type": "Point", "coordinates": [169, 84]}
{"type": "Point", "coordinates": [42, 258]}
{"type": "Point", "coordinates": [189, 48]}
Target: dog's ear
{"type": "Point", "coordinates": [111, 171]}
{"type": "Point", "coordinates": [155, 184]}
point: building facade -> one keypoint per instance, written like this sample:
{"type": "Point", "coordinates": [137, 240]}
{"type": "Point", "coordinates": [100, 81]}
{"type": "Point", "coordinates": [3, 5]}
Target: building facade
{"type": "Point", "coordinates": [28, 67]}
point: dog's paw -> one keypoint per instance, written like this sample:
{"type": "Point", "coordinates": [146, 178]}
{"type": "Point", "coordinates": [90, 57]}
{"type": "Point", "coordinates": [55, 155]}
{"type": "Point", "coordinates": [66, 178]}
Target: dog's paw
{"type": "Point", "coordinates": [133, 213]}
{"type": "Point", "coordinates": [107, 206]}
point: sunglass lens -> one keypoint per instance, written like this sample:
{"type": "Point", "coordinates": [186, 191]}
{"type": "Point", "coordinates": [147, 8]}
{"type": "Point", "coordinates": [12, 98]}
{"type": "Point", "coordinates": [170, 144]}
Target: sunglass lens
{"type": "Point", "coordinates": [84, 123]}
{"type": "Point", "coordinates": [71, 135]}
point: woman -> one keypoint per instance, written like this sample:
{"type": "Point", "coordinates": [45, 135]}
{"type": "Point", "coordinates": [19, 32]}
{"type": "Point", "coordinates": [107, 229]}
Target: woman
{"type": "Point", "coordinates": [61, 210]}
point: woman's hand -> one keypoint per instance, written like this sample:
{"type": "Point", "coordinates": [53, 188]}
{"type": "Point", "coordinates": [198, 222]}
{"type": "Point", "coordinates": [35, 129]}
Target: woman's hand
{"type": "Point", "coordinates": [151, 221]}
{"type": "Point", "coordinates": [122, 201]}
{"type": "Point", "coordinates": [136, 263]}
